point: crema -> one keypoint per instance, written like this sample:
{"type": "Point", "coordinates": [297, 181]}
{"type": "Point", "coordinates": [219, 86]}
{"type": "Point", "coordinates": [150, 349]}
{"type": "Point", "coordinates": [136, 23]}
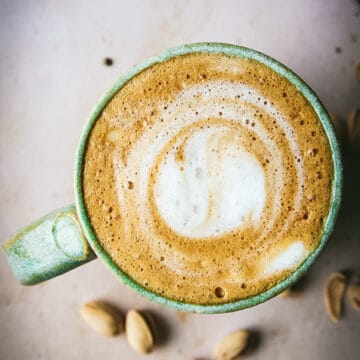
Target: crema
{"type": "Point", "coordinates": [208, 178]}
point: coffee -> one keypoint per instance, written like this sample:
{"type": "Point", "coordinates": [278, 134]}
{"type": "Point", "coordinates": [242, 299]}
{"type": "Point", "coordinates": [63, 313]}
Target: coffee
{"type": "Point", "coordinates": [208, 178]}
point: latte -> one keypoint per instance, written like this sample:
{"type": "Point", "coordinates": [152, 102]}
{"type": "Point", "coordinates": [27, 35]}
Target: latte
{"type": "Point", "coordinates": [208, 178]}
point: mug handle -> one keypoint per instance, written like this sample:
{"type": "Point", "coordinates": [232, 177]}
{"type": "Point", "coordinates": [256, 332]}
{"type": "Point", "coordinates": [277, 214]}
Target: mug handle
{"type": "Point", "coordinates": [48, 247]}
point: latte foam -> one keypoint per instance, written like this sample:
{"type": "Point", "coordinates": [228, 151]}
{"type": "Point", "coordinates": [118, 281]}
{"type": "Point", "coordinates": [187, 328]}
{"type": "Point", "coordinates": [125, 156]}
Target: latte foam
{"type": "Point", "coordinates": [208, 172]}
{"type": "Point", "coordinates": [213, 189]}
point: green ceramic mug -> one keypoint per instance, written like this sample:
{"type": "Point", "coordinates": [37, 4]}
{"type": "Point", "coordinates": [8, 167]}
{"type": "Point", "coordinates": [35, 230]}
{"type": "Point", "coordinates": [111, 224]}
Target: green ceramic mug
{"type": "Point", "coordinates": [64, 239]}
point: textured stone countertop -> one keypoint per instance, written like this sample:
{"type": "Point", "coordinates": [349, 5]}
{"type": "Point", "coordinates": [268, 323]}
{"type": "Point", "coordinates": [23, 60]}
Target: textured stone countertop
{"type": "Point", "coordinates": [52, 74]}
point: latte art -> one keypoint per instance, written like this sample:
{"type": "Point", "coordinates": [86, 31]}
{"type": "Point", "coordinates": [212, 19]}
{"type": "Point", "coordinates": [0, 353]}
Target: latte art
{"type": "Point", "coordinates": [209, 180]}
{"type": "Point", "coordinates": [213, 189]}
{"type": "Point", "coordinates": [206, 169]}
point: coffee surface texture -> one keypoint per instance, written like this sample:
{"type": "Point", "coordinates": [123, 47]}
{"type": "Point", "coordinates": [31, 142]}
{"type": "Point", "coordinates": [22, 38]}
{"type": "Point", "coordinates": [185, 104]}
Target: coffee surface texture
{"type": "Point", "coordinates": [208, 178]}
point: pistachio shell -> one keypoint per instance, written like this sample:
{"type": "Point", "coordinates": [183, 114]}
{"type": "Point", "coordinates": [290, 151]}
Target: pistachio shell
{"type": "Point", "coordinates": [353, 295]}
{"type": "Point", "coordinates": [102, 318]}
{"type": "Point", "coordinates": [333, 295]}
{"type": "Point", "coordinates": [231, 345]}
{"type": "Point", "coordinates": [138, 332]}
{"type": "Point", "coordinates": [286, 293]}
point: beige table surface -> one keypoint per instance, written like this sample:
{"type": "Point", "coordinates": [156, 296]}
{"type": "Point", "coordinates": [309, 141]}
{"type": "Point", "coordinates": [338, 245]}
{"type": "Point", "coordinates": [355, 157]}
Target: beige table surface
{"type": "Point", "coordinates": [51, 75]}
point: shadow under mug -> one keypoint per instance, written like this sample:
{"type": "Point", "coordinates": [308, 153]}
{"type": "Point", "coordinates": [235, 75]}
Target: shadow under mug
{"type": "Point", "coordinates": [65, 239]}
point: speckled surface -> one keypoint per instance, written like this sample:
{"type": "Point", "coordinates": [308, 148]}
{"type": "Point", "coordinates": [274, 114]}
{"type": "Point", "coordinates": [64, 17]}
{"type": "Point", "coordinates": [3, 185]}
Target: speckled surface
{"type": "Point", "coordinates": [52, 74]}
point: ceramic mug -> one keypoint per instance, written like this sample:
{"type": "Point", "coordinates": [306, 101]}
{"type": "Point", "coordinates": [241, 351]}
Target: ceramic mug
{"type": "Point", "coordinates": [64, 239]}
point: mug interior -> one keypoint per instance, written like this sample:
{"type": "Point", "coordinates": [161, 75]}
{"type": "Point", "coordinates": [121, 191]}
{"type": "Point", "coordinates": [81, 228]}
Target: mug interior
{"type": "Point", "coordinates": [282, 70]}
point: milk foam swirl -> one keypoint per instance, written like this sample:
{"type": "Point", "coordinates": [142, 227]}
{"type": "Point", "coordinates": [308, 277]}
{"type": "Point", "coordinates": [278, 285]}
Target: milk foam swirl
{"type": "Point", "coordinates": [214, 189]}
{"type": "Point", "coordinates": [210, 167]}
{"type": "Point", "coordinates": [208, 178]}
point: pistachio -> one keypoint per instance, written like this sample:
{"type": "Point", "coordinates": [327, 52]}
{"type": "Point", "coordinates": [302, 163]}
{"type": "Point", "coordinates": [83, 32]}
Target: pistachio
{"type": "Point", "coordinates": [287, 293]}
{"type": "Point", "coordinates": [353, 128]}
{"type": "Point", "coordinates": [333, 295]}
{"type": "Point", "coordinates": [102, 318]}
{"type": "Point", "coordinates": [231, 345]}
{"type": "Point", "coordinates": [138, 332]}
{"type": "Point", "coordinates": [353, 295]}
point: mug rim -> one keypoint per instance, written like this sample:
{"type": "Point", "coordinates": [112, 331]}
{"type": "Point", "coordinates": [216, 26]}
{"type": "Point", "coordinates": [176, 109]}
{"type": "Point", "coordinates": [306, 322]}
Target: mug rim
{"type": "Point", "coordinates": [226, 49]}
